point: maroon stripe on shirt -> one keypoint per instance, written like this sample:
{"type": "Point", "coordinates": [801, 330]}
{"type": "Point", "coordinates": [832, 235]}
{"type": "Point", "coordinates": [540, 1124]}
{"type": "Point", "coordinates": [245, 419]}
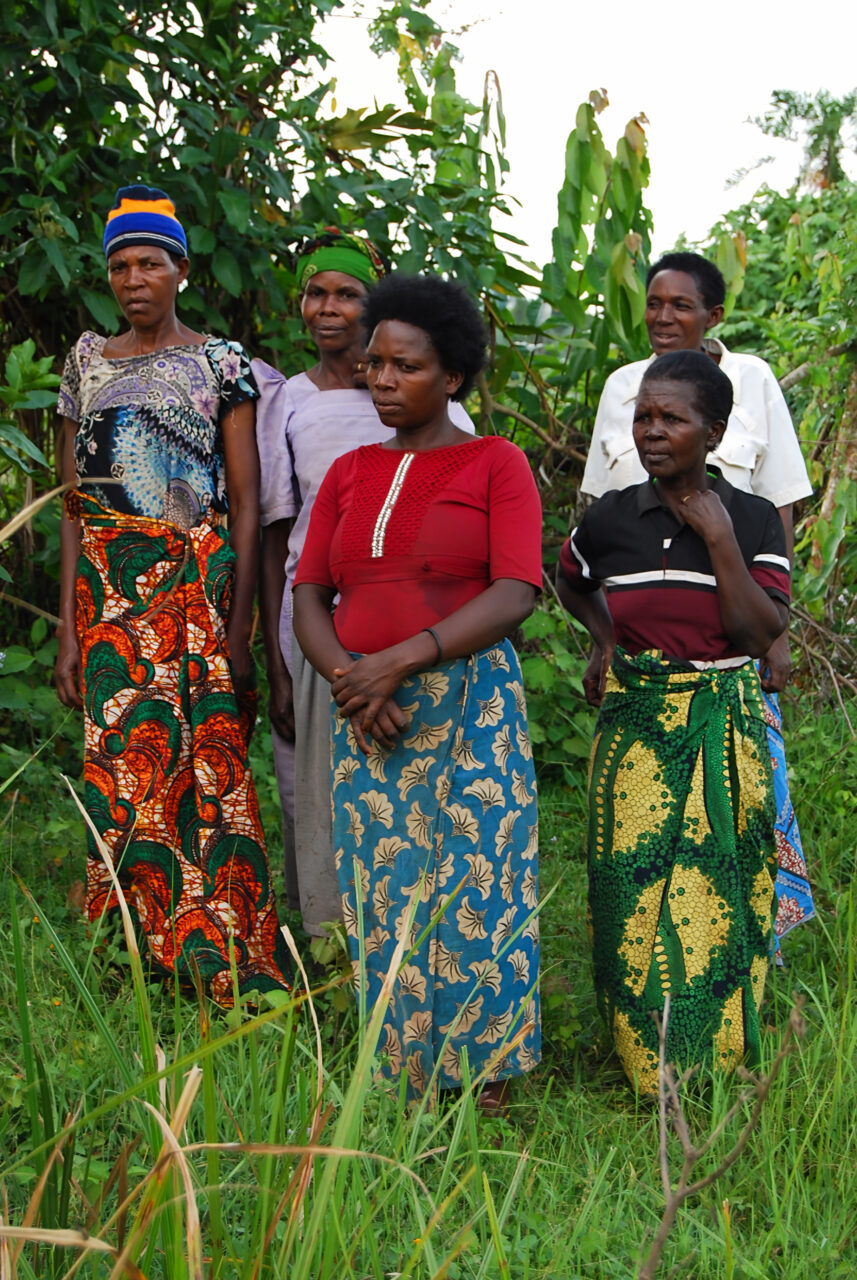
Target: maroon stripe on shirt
{"type": "Point", "coordinates": [684, 622]}
{"type": "Point", "coordinates": [772, 580]}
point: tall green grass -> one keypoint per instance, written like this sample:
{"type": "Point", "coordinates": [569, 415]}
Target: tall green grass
{"type": "Point", "coordinates": [187, 1142]}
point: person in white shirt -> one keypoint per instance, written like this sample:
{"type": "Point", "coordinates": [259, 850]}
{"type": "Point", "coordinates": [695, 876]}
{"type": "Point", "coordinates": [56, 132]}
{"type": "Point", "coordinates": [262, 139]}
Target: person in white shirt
{"type": "Point", "coordinates": [759, 453]}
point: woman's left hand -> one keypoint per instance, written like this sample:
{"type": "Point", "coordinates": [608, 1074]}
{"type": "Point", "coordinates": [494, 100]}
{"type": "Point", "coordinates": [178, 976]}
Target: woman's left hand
{"type": "Point", "coordinates": [776, 665]}
{"type": "Point", "coordinates": [705, 513]}
{"type": "Point", "coordinates": [595, 675]}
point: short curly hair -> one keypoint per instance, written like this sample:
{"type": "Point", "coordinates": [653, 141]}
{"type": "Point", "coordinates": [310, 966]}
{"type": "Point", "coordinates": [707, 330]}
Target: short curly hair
{"type": "Point", "coordinates": [707, 277]}
{"type": "Point", "coordinates": [712, 388]}
{"type": "Point", "coordinates": [444, 311]}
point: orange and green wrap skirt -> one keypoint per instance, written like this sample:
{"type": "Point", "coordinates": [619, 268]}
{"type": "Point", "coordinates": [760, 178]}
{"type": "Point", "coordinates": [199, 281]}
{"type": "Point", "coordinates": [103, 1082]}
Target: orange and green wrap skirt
{"type": "Point", "coordinates": [167, 782]}
{"type": "Point", "coordinates": [682, 859]}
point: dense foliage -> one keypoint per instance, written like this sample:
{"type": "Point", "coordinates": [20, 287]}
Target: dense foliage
{"type": "Point", "coordinates": [798, 309]}
{"type": "Point", "coordinates": [227, 106]}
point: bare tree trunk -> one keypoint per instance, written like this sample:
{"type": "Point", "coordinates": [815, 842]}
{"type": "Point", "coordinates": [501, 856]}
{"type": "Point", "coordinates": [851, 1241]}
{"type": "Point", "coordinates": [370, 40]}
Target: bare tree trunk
{"type": "Point", "coordinates": [843, 462]}
{"type": "Point", "coordinates": [843, 466]}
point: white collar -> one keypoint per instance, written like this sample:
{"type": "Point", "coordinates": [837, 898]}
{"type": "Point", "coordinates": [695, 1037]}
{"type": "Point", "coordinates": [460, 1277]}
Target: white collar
{"type": "Point", "coordinates": [730, 367]}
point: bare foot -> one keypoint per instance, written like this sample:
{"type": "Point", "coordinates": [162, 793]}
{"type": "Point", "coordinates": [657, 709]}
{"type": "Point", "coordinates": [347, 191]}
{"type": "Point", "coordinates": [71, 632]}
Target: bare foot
{"type": "Point", "coordinates": [493, 1099]}
{"type": "Point", "coordinates": [76, 896]}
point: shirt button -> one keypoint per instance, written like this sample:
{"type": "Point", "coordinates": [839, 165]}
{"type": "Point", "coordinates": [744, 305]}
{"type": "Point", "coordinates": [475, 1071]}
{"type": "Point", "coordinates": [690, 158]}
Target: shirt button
{"type": "Point", "coordinates": [426, 566]}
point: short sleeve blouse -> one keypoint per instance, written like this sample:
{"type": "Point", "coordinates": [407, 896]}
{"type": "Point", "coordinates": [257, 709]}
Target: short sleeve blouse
{"type": "Point", "coordinates": [149, 426]}
{"type": "Point", "coordinates": [656, 571]}
{"type": "Point", "coordinates": [759, 453]}
{"type": "Point", "coordinates": [408, 538]}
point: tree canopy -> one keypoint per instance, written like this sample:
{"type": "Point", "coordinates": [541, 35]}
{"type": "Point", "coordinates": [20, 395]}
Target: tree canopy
{"type": "Point", "coordinates": [227, 106]}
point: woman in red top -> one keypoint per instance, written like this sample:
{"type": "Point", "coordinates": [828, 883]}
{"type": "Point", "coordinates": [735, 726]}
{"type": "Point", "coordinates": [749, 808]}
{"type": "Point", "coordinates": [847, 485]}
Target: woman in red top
{"type": "Point", "coordinates": [432, 541]}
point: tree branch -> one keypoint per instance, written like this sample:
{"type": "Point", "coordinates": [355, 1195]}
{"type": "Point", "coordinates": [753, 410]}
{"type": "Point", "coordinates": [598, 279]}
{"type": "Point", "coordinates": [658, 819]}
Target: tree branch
{"type": "Point", "coordinates": [494, 406]}
{"type": "Point", "coordinates": [671, 1109]}
{"type": "Point", "coordinates": [797, 375]}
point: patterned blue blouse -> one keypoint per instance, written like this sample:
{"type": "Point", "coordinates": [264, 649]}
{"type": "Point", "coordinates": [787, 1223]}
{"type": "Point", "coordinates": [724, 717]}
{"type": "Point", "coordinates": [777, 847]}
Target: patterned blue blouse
{"type": "Point", "coordinates": [149, 426]}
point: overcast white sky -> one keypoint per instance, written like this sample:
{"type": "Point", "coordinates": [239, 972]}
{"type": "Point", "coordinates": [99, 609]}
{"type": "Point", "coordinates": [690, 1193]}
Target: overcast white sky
{"type": "Point", "coordinates": [697, 71]}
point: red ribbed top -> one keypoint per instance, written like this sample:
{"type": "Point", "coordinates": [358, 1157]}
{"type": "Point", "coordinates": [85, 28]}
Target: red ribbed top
{"type": "Point", "coordinates": [407, 538]}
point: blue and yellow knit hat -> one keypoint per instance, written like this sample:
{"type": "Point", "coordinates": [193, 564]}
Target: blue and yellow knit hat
{"type": "Point", "coordinates": [144, 215]}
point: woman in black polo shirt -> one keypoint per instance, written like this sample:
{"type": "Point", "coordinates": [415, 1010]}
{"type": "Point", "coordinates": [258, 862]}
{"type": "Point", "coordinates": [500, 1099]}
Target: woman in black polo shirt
{"type": "Point", "coordinates": [681, 581]}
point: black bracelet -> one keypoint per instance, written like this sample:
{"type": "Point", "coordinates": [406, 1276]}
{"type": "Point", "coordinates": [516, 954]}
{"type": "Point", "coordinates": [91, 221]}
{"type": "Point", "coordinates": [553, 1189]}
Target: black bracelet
{"type": "Point", "coordinates": [433, 634]}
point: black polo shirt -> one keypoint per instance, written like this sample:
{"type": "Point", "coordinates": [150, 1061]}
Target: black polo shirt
{"type": "Point", "coordinates": [656, 571]}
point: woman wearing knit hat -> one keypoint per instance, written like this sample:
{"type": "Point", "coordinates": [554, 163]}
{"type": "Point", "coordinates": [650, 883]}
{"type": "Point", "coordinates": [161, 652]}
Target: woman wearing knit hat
{"type": "Point", "coordinates": [303, 424]}
{"type": "Point", "coordinates": [158, 442]}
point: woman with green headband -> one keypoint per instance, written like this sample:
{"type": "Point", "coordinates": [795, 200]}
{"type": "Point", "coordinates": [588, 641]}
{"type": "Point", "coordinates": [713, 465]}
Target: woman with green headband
{"type": "Point", "coordinates": [303, 424]}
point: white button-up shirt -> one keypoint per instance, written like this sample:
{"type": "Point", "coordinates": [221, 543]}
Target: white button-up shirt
{"type": "Point", "coordinates": [759, 452]}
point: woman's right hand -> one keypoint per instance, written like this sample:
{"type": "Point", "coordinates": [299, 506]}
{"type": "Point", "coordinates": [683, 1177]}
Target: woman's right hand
{"type": "Point", "coordinates": [366, 684]}
{"type": "Point", "coordinates": [67, 668]}
{"type": "Point", "coordinates": [595, 675]}
{"type": "Point", "coordinates": [281, 706]}
{"type": "Point", "coordinates": [389, 722]}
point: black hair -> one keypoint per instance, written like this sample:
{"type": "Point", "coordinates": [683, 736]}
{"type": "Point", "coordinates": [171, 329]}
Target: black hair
{"type": "Point", "coordinates": [708, 278]}
{"type": "Point", "coordinates": [443, 310]}
{"type": "Point", "coordinates": [713, 390]}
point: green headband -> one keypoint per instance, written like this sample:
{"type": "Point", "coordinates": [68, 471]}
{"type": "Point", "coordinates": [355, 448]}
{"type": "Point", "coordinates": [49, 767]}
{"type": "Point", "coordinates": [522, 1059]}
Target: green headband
{"type": "Point", "coordinates": [338, 257]}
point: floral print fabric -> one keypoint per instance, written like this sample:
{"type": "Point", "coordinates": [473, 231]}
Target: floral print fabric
{"type": "Point", "coordinates": [168, 786]}
{"type": "Point", "coordinates": [794, 895]}
{"type": "Point", "coordinates": [149, 426]}
{"type": "Point", "coordinates": [448, 818]}
{"type": "Point", "coordinates": [681, 861]}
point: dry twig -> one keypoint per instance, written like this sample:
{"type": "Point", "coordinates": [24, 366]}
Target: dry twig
{"type": "Point", "coordinates": [669, 1091]}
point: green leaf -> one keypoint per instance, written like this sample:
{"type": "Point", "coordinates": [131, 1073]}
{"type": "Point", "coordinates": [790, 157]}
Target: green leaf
{"type": "Point", "coordinates": [9, 221]}
{"type": "Point", "coordinates": [46, 654]}
{"type": "Point", "coordinates": [14, 376]}
{"type": "Point", "coordinates": [15, 658]}
{"type": "Point", "coordinates": [24, 352]}
{"type": "Point", "coordinates": [226, 271]}
{"type": "Point", "coordinates": [538, 625]}
{"type": "Point", "coordinates": [194, 158]}
{"type": "Point", "coordinates": [237, 207]}
{"type": "Point", "coordinates": [16, 438]}
{"type": "Point", "coordinates": [202, 240]}
{"type": "Point", "coordinates": [39, 400]}
{"type": "Point", "coordinates": [103, 309]}
{"type": "Point", "coordinates": [34, 272]}
{"type": "Point", "coordinates": [538, 673]}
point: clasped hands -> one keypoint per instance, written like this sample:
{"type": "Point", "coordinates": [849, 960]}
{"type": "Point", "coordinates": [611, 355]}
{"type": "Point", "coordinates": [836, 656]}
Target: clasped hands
{"type": "Point", "coordinates": [363, 691]}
